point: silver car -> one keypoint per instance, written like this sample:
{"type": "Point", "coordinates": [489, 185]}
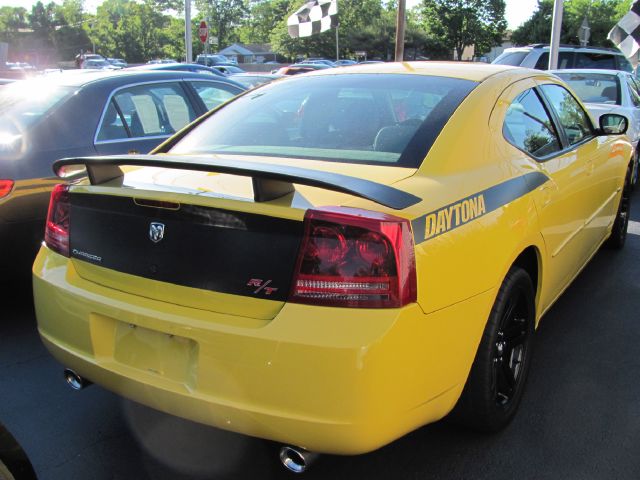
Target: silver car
{"type": "Point", "coordinates": [609, 91]}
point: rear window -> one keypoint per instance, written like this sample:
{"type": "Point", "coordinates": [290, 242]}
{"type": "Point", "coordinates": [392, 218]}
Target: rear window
{"type": "Point", "coordinates": [23, 103]}
{"type": "Point", "coordinates": [594, 87]}
{"type": "Point", "coordinates": [603, 61]}
{"type": "Point", "coordinates": [357, 118]}
{"type": "Point", "coordinates": [511, 58]}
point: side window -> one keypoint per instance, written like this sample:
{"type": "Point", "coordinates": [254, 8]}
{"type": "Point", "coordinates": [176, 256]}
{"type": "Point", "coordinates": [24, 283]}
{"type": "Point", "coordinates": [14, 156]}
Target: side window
{"type": "Point", "coordinates": [565, 60]}
{"type": "Point", "coordinates": [214, 93]}
{"type": "Point", "coordinates": [633, 92]}
{"type": "Point", "coordinates": [574, 121]}
{"type": "Point", "coordinates": [528, 126]}
{"type": "Point", "coordinates": [595, 60]}
{"type": "Point", "coordinates": [157, 109]}
{"type": "Point", "coordinates": [112, 126]}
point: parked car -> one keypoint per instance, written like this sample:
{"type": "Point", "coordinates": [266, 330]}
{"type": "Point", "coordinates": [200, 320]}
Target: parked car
{"type": "Point", "coordinates": [609, 91]}
{"type": "Point", "coordinates": [336, 259]}
{"type": "Point", "coordinates": [84, 114]}
{"type": "Point", "coordinates": [569, 56]}
{"type": "Point", "coordinates": [344, 62]}
{"type": "Point", "coordinates": [251, 80]}
{"type": "Point", "coordinates": [184, 67]}
{"type": "Point", "coordinates": [14, 462]}
{"type": "Point", "coordinates": [161, 60]}
{"type": "Point", "coordinates": [297, 68]}
{"type": "Point", "coordinates": [210, 59]}
{"type": "Point", "coordinates": [228, 69]}
{"type": "Point", "coordinates": [95, 64]}
{"type": "Point", "coordinates": [118, 62]}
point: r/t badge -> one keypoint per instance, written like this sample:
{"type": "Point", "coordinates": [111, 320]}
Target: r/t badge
{"type": "Point", "coordinates": [262, 286]}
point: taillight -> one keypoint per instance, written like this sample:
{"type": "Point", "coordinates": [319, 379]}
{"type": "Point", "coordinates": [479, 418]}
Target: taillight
{"type": "Point", "coordinates": [355, 258]}
{"type": "Point", "coordinates": [56, 234]}
{"type": "Point", "coordinates": [5, 187]}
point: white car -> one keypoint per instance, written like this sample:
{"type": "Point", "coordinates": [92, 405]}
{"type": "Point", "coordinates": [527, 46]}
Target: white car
{"type": "Point", "coordinates": [609, 91]}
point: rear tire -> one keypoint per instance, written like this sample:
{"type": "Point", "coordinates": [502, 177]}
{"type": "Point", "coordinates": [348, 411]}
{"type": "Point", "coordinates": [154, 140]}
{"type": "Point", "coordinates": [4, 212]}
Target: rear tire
{"type": "Point", "coordinates": [619, 230]}
{"type": "Point", "coordinates": [496, 382]}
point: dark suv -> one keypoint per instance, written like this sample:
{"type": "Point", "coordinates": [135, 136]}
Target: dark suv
{"type": "Point", "coordinates": [570, 56]}
{"type": "Point", "coordinates": [210, 59]}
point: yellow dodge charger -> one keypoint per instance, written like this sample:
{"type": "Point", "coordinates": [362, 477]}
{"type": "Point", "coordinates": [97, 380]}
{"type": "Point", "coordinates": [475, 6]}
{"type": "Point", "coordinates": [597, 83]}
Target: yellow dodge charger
{"type": "Point", "coordinates": [336, 259]}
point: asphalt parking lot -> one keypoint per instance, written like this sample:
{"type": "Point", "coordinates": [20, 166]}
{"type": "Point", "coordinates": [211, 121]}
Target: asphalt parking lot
{"type": "Point", "coordinates": [580, 417]}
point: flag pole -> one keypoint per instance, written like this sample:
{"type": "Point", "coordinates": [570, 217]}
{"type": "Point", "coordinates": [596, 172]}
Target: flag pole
{"type": "Point", "coordinates": [337, 49]}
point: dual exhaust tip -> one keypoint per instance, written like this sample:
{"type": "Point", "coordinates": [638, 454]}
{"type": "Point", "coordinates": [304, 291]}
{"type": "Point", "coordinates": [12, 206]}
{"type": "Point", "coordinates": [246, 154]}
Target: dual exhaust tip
{"type": "Point", "coordinates": [74, 380]}
{"type": "Point", "coordinates": [294, 459]}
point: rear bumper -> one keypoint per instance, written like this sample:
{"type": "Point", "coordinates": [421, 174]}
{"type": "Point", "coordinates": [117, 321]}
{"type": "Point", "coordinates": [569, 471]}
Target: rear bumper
{"type": "Point", "coordinates": [342, 381]}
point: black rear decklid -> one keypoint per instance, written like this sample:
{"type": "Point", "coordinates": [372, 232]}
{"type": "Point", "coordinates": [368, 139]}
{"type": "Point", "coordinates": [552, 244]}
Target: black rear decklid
{"type": "Point", "coordinates": [270, 181]}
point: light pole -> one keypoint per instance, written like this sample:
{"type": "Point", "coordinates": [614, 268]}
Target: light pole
{"type": "Point", "coordinates": [555, 34]}
{"type": "Point", "coordinates": [187, 31]}
{"type": "Point", "coordinates": [400, 22]}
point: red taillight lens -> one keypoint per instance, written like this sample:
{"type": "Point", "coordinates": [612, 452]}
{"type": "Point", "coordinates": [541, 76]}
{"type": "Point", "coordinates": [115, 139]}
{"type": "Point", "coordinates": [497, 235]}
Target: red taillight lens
{"type": "Point", "coordinates": [56, 234]}
{"type": "Point", "coordinates": [5, 187]}
{"type": "Point", "coordinates": [355, 258]}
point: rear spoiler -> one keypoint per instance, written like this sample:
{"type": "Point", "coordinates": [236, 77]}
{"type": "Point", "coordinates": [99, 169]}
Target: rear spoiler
{"type": "Point", "coordinates": [269, 181]}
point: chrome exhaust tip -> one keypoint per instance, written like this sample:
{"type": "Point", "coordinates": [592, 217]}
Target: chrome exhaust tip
{"type": "Point", "coordinates": [74, 380]}
{"type": "Point", "coordinates": [296, 459]}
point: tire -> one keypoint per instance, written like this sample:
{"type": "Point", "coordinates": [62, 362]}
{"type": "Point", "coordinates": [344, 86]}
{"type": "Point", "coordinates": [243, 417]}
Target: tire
{"type": "Point", "coordinates": [619, 230]}
{"type": "Point", "coordinates": [498, 375]}
{"type": "Point", "coordinates": [5, 474]}
{"type": "Point", "coordinates": [635, 172]}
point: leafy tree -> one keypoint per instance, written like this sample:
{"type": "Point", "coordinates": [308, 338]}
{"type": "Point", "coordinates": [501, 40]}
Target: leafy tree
{"type": "Point", "coordinates": [12, 19]}
{"type": "Point", "coordinates": [462, 23]}
{"type": "Point", "coordinates": [225, 17]}
{"type": "Point", "coordinates": [602, 15]}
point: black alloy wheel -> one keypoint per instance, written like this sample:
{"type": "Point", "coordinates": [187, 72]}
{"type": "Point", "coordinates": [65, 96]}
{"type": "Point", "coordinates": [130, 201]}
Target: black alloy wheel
{"type": "Point", "coordinates": [510, 349]}
{"type": "Point", "coordinates": [498, 375]}
{"type": "Point", "coordinates": [619, 230]}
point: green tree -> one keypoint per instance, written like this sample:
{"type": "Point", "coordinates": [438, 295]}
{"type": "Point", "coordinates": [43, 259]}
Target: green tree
{"type": "Point", "coordinates": [602, 15]}
{"type": "Point", "coordinates": [462, 23]}
{"type": "Point", "coordinates": [12, 19]}
{"type": "Point", "coordinates": [225, 16]}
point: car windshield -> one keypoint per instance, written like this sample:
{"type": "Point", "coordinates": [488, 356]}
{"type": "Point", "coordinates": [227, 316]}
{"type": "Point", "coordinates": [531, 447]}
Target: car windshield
{"type": "Point", "coordinates": [594, 87]}
{"type": "Point", "coordinates": [23, 103]}
{"type": "Point", "coordinates": [357, 118]}
{"type": "Point", "coordinates": [511, 58]}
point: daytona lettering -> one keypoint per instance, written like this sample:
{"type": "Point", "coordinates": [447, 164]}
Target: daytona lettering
{"type": "Point", "coordinates": [454, 215]}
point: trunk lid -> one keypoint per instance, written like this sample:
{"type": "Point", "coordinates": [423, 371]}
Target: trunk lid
{"type": "Point", "coordinates": [197, 239]}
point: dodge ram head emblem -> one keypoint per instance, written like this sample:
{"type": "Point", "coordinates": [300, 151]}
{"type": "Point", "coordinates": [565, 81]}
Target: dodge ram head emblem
{"type": "Point", "coordinates": [156, 231]}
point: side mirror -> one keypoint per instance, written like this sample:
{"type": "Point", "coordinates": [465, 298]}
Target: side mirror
{"type": "Point", "coordinates": [613, 124]}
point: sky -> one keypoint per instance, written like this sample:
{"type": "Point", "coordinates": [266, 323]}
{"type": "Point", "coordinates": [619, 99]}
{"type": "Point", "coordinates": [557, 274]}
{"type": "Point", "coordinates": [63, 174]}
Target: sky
{"type": "Point", "coordinates": [517, 10]}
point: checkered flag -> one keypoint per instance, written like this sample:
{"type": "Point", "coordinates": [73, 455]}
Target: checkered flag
{"type": "Point", "coordinates": [313, 17]}
{"type": "Point", "coordinates": [626, 33]}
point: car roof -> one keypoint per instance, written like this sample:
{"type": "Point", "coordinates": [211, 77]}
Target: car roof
{"type": "Point", "coordinates": [476, 72]}
{"type": "Point", "coordinates": [590, 70]}
{"type": "Point", "coordinates": [126, 76]}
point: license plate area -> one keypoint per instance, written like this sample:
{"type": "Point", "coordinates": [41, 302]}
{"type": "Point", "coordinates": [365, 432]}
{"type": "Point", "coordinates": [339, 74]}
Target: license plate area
{"type": "Point", "coordinates": [157, 353]}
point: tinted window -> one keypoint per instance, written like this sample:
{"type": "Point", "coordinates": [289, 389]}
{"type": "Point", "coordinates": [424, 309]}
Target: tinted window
{"type": "Point", "coordinates": [511, 58]}
{"type": "Point", "coordinates": [594, 87]}
{"type": "Point", "coordinates": [112, 126]}
{"type": "Point", "coordinates": [357, 118]}
{"type": "Point", "coordinates": [623, 64]}
{"type": "Point", "coordinates": [595, 60]}
{"type": "Point", "coordinates": [574, 121]}
{"type": "Point", "coordinates": [633, 91]}
{"type": "Point", "coordinates": [157, 109]}
{"type": "Point", "coordinates": [528, 126]}
{"type": "Point", "coordinates": [565, 60]}
{"type": "Point", "coordinates": [213, 93]}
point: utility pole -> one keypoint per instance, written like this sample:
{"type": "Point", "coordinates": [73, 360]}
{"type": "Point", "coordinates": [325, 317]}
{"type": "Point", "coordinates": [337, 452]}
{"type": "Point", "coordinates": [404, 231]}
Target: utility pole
{"type": "Point", "coordinates": [187, 31]}
{"type": "Point", "coordinates": [555, 34]}
{"type": "Point", "coordinates": [400, 22]}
